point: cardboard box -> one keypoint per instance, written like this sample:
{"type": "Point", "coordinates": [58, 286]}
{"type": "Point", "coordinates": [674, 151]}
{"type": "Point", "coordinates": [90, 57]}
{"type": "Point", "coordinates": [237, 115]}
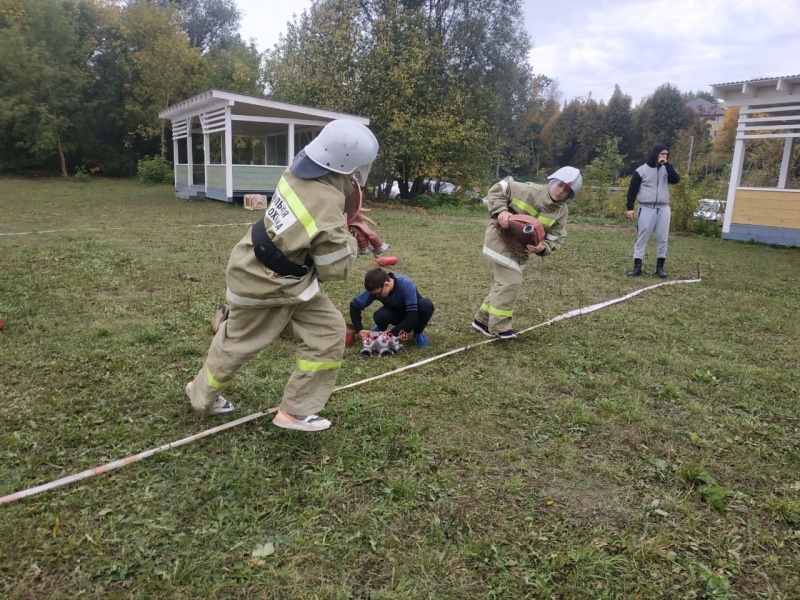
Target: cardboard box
{"type": "Point", "coordinates": [255, 202]}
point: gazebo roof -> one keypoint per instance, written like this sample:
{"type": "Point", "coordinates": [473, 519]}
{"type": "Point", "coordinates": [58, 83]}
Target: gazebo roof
{"type": "Point", "coordinates": [759, 92]}
{"type": "Point", "coordinates": [247, 105]}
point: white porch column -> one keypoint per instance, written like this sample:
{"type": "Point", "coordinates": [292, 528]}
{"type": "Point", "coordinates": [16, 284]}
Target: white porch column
{"type": "Point", "coordinates": [787, 156]}
{"type": "Point", "coordinates": [189, 157]}
{"type": "Point", "coordinates": [206, 159]}
{"type": "Point", "coordinates": [736, 177]}
{"type": "Point", "coordinates": [290, 145]}
{"type": "Point", "coordinates": [175, 161]}
{"type": "Point", "coordinates": [228, 154]}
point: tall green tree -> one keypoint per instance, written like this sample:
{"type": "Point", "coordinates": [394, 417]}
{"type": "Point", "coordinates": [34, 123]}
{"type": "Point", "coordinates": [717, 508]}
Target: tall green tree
{"type": "Point", "coordinates": [316, 61]}
{"type": "Point", "coordinates": [543, 105]}
{"type": "Point", "coordinates": [165, 67]}
{"type": "Point", "coordinates": [425, 128]}
{"type": "Point", "coordinates": [423, 72]}
{"type": "Point", "coordinates": [662, 116]}
{"type": "Point", "coordinates": [618, 122]}
{"type": "Point", "coordinates": [46, 48]}
{"type": "Point", "coordinates": [210, 23]}
{"type": "Point", "coordinates": [237, 68]}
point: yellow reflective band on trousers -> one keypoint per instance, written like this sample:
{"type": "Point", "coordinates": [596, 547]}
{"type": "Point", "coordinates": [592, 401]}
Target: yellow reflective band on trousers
{"type": "Point", "coordinates": [312, 367]}
{"type": "Point", "coordinates": [287, 193]}
{"type": "Point", "coordinates": [528, 209]}
{"type": "Point", "coordinates": [217, 385]}
{"type": "Point", "coordinates": [496, 311]}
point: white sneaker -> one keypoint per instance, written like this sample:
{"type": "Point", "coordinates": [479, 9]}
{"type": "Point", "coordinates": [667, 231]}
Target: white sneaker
{"type": "Point", "coordinates": [300, 422]}
{"type": "Point", "coordinates": [221, 406]}
{"type": "Point", "coordinates": [383, 248]}
{"type": "Point", "coordinates": [364, 251]}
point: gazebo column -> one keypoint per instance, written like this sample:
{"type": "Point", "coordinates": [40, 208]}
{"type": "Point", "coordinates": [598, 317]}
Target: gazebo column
{"type": "Point", "coordinates": [787, 157]}
{"type": "Point", "coordinates": [290, 145]}
{"type": "Point", "coordinates": [189, 157]}
{"type": "Point", "coordinates": [228, 154]}
{"type": "Point", "coordinates": [175, 159]}
{"type": "Point", "coordinates": [736, 178]}
{"type": "Point", "coordinates": [206, 159]}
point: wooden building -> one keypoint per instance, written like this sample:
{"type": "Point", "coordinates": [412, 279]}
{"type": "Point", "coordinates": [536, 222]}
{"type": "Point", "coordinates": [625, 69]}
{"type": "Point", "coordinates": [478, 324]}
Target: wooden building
{"type": "Point", "coordinates": [763, 202]}
{"type": "Point", "coordinates": [227, 145]}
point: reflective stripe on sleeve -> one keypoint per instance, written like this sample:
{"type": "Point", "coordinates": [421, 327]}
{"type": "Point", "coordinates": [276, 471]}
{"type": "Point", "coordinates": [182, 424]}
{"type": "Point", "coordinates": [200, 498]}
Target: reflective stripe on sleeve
{"type": "Point", "coordinates": [288, 194]}
{"type": "Point", "coordinates": [503, 260]}
{"type": "Point", "coordinates": [326, 259]}
{"type": "Point", "coordinates": [308, 293]}
{"type": "Point", "coordinates": [552, 237]}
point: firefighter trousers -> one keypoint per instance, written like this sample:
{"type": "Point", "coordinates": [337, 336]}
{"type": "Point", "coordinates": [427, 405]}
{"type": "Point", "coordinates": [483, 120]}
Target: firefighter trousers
{"type": "Point", "coordinates": [317, 326]}
{"type": "Point", "coordinates": [498, 306]}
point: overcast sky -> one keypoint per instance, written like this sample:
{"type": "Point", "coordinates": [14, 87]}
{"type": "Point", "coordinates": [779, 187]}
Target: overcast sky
{"type": "Point", "coordinates": [590, 45]}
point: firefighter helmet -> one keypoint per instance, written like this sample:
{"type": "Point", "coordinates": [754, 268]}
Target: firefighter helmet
{"type": "Point", "coordinates": [344, 146]}
{"type": "Point", "coordinates": [571, 177]}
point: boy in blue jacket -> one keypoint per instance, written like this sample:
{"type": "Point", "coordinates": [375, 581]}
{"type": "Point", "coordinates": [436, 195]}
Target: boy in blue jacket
{"type": "Point", "coordinates": [403, 306]}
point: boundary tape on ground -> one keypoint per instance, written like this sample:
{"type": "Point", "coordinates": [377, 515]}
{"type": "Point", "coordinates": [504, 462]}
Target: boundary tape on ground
{"type": "Point", "coordinates": [142, 455]}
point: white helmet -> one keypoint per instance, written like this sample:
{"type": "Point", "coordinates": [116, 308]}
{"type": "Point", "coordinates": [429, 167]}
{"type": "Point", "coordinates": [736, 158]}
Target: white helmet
{"type": "Point", "coordinates": [344, 146]}
{"type": "Point", "coordinates": [570, 176]}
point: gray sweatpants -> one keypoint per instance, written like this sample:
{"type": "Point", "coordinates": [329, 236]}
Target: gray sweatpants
{"type": "Point", "coordinates": [650, 221]}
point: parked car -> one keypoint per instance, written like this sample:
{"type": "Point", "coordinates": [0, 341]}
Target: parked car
{"type": "Point", "coordinates": [394, 190]}
{"type": "Point", "coordinates": [445, 187]}
{"type": "Point", "coordinates": [709, 209]}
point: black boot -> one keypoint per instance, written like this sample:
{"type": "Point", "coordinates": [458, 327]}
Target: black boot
{"type": "Point", "coordinates": [637, 268]}
{"type": "Point", "coordinates": [660, 268]}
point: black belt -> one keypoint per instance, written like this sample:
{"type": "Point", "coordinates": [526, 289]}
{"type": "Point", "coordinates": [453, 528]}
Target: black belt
{"type": "Point", "coordinates": [269, 255]}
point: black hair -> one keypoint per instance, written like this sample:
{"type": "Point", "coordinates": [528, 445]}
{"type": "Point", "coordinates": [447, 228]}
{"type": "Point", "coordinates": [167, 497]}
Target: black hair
{"type": "Point", "coordinates": [374, 279]}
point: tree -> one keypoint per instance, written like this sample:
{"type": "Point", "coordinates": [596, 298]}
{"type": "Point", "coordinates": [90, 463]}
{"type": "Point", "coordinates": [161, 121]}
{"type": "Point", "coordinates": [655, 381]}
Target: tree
{"type": "Point", "coordinates": [543, 102]}
{"type": "Point", "coordinates": [618, 121]}
{"type": "Point", "coordinates": [426, 131]}
{"type": "Point", "coordinates": [662, 116]}
{"type": "Point", "coordinates": [723, 143]}
{"type": "Point", "coordinates": [236, 68]}
{"type": "Point", "coordinates": [46, 47]}
{"type": "Point", "coordinates": [208, 23]}
{"type": "Point", "coordinates": [165, 66]}
{"type": "Point", "coordinates": [423, 72]}
{"type": "Point", "coordinates": [316, 61]}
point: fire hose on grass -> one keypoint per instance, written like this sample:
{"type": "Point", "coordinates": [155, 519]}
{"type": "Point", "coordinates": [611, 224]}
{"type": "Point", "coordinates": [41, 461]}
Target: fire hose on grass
{"type": "Point", "coordinates": [142, 455]}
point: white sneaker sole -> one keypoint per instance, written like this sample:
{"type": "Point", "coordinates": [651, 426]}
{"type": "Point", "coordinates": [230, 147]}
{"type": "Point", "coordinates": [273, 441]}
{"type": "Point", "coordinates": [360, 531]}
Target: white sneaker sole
{"type": "Point", "coordinates": [287, 422]}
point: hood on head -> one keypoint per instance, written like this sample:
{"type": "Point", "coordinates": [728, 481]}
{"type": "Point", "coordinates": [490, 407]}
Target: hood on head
{"type": "Point", "coordinates": [652, 160]}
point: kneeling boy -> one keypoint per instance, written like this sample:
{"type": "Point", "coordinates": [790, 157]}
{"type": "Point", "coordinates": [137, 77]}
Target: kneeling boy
{"type": "Point", "coordinates": [403, 306]}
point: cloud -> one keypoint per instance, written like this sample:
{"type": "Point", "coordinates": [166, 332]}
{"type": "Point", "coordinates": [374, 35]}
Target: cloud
{"type": "Point", "coordinates": [641, 45]}
{"type": "Point", "coordinates": [591, 45]}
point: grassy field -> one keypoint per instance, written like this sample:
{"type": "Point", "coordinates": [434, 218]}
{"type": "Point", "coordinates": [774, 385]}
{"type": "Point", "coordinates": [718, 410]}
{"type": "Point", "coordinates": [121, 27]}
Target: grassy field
{"type": "Point", "coordinates": [647, 450]}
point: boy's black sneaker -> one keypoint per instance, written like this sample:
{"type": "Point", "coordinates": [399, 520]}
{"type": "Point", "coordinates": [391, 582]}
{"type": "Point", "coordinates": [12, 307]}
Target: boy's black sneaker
{"type": "Point", "coordinates": [484, 329]}
{"type": "Point", "coordinates": [508, 334]}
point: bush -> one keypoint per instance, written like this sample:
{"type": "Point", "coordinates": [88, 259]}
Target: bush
{"type": "Point", "coordinates": [81, 174]}
{"type": "Point", "coordinates": [155, 170]}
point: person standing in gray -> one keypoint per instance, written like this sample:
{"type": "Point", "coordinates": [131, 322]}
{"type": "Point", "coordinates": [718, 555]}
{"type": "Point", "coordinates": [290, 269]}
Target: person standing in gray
{"type": "Point", "coordinates": [649, 187]}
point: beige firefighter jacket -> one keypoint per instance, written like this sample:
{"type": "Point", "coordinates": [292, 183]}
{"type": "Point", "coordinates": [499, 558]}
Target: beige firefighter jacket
{"type": "Point", "coordinates": [528, 199]}
{"type": "Point", "coordinates": [305, 217]}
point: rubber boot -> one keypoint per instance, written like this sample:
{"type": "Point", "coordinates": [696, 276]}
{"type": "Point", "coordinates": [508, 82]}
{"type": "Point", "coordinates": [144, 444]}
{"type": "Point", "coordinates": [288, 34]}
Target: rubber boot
{"type": "Point", "coordinates": [660, 268]}
{"type": "Point", "coordinates": [637, 268]}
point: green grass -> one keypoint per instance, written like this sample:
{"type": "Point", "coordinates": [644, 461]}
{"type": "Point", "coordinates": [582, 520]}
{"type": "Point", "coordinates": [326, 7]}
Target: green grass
{"type": "Point", "coordinates": [646, 450]}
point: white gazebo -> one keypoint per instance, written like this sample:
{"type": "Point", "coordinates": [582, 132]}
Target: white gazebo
{"type": "Point", "coordinates": [246, 142]}
{"type": "Point", "coordinates": [766, 208]}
